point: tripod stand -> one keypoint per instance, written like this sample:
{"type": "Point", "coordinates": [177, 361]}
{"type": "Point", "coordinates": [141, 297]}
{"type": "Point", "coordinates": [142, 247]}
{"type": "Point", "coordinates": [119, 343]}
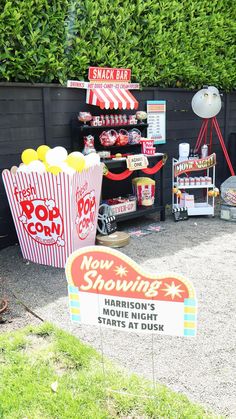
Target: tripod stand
{"type": "Point", "coordinates": [203, 136]}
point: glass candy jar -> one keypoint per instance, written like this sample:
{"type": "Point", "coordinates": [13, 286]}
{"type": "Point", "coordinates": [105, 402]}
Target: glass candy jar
{"type": "Point", "coordinates": [88, 145]}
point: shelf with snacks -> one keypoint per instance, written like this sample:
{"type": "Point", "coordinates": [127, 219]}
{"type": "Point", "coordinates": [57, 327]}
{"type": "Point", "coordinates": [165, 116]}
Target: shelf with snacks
{"type": "Point", "coordinates": [119, 126]}
{"type": "Point", "coordinates": [120, 136]}
{"type": "Point", "coordinates": [194, 175]}
{"type": "Point", "coordinates": [141, 211]}
{"type": "Point", "coordinates": [115, 143]}
{"type": "Point", "coordinates": [121, 161]}
{"type": "Point", "coordinates": [200, 186]}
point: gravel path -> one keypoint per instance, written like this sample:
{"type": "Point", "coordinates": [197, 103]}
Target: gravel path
{"type": "Point", "coordinates": [201, 249]}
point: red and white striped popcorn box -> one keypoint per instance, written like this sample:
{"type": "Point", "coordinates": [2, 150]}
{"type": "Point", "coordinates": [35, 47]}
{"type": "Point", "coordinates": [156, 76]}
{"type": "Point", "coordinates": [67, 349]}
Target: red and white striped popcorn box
{"type": "Point", "coordinates": [54, 215]}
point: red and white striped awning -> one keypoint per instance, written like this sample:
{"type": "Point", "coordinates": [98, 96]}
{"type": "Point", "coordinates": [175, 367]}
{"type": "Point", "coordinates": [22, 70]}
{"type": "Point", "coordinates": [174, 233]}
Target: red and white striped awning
{"type": "Point", "coordinates": [111, 98]}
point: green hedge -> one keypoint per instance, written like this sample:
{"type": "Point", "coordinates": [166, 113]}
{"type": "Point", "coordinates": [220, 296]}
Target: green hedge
{"type": "Point", "coordinates": [166, 43]}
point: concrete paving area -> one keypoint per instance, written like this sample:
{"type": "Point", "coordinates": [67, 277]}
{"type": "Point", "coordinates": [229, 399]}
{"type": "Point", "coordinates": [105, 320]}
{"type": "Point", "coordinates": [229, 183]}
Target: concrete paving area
{"type": "Point", "coordinates": [201, 249]}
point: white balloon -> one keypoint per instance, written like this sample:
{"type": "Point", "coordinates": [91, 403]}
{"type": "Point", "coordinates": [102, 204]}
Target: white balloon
{"type": "Point", "coordinates": [23, 168]}
{"type": "Point", "coordinates": [92, 159]}
{"type": "Point", "coordinates": [36, 166]}
{"type": "Point", "coordinates": [66, 169]}
{"type": "Point", "coordinates": [213, 89]}
{"type": "Point", "coordinates": [206, 103]}
{"type": "Point", "coordinates": [13, 170]}
{"type": "Point", "coordinates": [56, 155]}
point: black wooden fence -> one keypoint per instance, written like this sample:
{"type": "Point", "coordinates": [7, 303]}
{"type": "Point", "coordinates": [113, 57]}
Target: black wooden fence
{"type": "Point", "coordinates": [31, 115]}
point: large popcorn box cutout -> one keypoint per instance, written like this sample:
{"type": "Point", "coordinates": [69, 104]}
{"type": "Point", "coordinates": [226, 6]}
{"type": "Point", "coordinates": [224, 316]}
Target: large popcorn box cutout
{"type": "Point", "coordinates": [54, 215]}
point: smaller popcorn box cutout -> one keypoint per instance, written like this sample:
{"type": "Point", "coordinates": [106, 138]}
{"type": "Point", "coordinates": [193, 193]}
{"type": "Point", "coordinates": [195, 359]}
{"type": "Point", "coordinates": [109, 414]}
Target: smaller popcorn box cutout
{"type": "Point", "coordinates": [54, 215]}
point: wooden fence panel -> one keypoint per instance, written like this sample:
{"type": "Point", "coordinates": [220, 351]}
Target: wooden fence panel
{"type": "Point", "coordinates": [42, 114]}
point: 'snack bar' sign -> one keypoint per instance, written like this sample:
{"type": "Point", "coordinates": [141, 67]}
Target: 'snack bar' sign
{"type": "Point", "coordinates": [109, 74]}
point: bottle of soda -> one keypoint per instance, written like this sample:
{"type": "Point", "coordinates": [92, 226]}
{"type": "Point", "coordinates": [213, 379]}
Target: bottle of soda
{"type": "Point", "coordinates": [204, 151]}
{"type": "Point", "coordinates": [191, 155]}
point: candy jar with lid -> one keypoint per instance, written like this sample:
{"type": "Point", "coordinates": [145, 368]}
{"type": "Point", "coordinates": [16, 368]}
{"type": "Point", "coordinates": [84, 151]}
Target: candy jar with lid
{"type": "Point", "coordinates": [85, 117]}
{"type": "Point", "coordinates": [141, 116]}
{"type": "Point", "coordinates": [88, 145]}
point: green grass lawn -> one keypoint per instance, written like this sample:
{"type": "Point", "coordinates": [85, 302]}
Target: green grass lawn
{"type": "Point", "coordinates": [33, 359]}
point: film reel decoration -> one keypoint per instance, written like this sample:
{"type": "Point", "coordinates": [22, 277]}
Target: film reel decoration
{"type": "Point", "coordinates": [106, 220]}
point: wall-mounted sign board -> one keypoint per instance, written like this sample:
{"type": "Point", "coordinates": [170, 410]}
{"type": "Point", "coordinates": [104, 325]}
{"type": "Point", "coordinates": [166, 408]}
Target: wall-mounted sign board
{"type": "Point", "coordinates": [109, 74]}
{"type": "Point", "coordinates": [156, 119]}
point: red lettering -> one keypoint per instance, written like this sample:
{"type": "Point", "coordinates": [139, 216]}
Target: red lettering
{"type": "Point", "coordinates": [41, 212]}
{"type": "Point", "coordinates": [56, 228]}
{"type": "Point", "coordinates": [54, 213]}
{"type": "Point", "coordinates": [83, 225]}
{"type": "Point", "coordinates": [31, 229]}
{"type": "Point", "coordinates": [86, 206]}
{"type": "Point", "coordinates": [27, 208]}
{"type": "Point", "coordinates": [25, 193]}
{"type": "Point", "coordinates": [80, 205]}
{"type": "Point", "coordinates": [92, 202]}
{"type": "Point", "coordinates": [47, 231]}
{"type": "Point", "coordinates": [39, 227]}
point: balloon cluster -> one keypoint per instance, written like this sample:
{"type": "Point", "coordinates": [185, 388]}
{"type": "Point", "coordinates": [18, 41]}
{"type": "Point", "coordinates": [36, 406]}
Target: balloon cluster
{"type": "Point", "coordinates": [55, 160]}
{"type": "Point", "coordinates": [177, 192]}
{"type": "Point", "coordinates": [214, 192]}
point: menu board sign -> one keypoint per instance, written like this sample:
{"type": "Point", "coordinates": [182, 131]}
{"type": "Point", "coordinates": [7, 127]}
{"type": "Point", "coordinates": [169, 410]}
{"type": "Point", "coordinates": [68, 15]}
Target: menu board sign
{"type": "Point", "coordinates": [156, 119]}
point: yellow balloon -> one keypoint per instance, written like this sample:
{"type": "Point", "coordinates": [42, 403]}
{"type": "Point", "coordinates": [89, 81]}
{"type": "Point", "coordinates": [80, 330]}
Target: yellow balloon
{"type": "Point", "coordinates": [29, 155]}
{"type": "Point", "coordinates": [41, 151]}
{"type": "Point", "coordinates": [54, 170]}
{"type": "Point", "coordinates": [47, 166]}
{"type": "Point", "coordinates": [76, 162]}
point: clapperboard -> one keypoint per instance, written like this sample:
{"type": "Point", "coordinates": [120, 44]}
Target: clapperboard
{"type": "Point", "coordinates": [180, 214]}
{"type": "Point", "coordinates": [111, 224]}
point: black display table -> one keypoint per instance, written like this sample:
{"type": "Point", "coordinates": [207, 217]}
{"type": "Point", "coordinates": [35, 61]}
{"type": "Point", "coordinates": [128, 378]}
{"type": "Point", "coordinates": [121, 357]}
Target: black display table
{"type": "Point", "coordinates": [113, 189]}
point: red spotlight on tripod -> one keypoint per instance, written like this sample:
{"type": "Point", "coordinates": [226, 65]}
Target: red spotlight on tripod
{"type": "Point", "coordinates": [206, 103]}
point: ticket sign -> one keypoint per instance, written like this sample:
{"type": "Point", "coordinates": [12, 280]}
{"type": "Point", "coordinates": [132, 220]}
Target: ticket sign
{"type": "Point", "coordinates": [137, 162]}
{"type": "Point", "coordinates": [107, 288]}
{"type": "Point", "coordinates": [109, 74]}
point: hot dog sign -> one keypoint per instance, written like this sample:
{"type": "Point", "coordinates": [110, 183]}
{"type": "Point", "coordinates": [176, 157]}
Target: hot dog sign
{"type": "Point", "coordinates": [107, 288]}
